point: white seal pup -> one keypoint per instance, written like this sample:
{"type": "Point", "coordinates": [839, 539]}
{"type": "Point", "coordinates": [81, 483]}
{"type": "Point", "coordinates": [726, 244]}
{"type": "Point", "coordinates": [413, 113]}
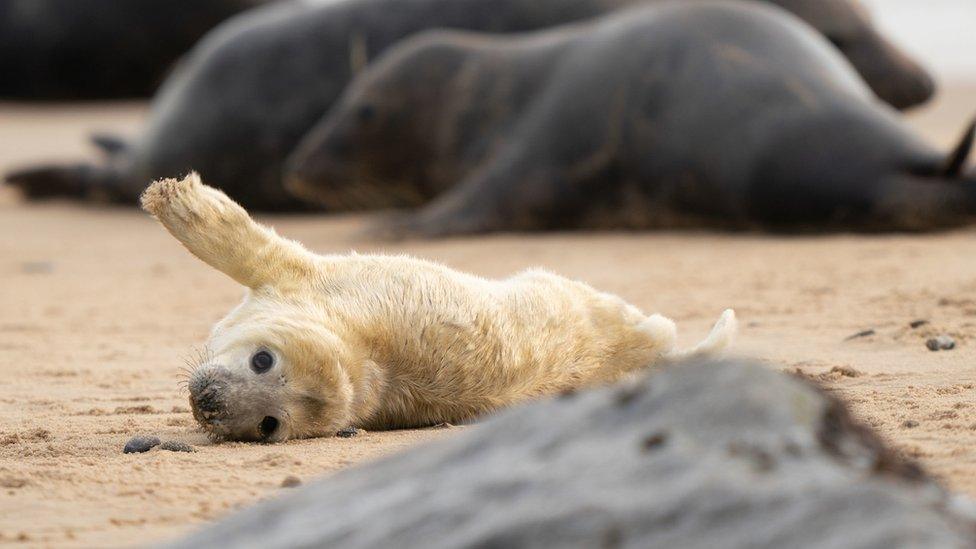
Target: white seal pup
{"type": "Point", "coordinates": [324, 342]}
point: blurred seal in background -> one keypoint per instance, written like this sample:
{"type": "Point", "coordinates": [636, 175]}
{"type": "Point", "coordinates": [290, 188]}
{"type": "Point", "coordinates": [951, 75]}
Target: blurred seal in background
{"type": "Point", "coordinates": [705, 114]}
{"type": "Point", "coordinates": [99, 49]}
{"type": "Point", "coordinates": [252, 88]}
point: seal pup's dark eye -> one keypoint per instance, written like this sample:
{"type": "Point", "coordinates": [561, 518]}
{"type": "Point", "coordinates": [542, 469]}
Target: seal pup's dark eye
{"type": "Point", "coordinates": [262, 361]}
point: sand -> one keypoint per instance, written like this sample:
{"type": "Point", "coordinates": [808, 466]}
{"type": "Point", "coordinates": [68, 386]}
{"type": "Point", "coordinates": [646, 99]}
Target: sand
{"type": "Point", "coordinates": [99, 308]}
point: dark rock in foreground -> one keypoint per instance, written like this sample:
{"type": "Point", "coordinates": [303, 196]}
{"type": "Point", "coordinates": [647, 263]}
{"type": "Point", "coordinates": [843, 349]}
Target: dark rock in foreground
{"type": "Point", "coordinates": [140, 443]}
{"type": "Point", "coordinates": [720, 454]}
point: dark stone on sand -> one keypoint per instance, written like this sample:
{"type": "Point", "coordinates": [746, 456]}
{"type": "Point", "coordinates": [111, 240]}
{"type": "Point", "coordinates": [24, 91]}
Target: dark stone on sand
{"type": "Point", "coordinates": [863, 333]}
{"type": "Point", "coordinates": [707, 454]}
{"type": "Point", "coordinates": [176, 446]}
{"type": "Point", "coordinates": [917, 323]}
{"type": "Point", "coordinates": [139, 444]}
{"type": "Point", "coordinates": [940, 343]}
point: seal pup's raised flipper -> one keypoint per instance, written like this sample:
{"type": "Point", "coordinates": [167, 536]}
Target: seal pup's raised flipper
{"type": "Point", "coordinates": [222, 234]}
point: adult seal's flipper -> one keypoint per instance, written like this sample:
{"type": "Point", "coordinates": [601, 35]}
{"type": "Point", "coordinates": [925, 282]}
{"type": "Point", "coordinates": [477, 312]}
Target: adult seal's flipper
{"type": "Point", "coordinates": [84, 181]}
{"type": "Point", "coordinates": [109, 144]}
{"type": "Point", "coordinates": [957, 159]}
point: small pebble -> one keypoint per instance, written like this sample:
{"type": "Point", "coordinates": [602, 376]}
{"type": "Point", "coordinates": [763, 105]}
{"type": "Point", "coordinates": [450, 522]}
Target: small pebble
{"type": "Point", "coordinates": [940, 343]}
{"type": "Point", "coordinates": [291, 481]}
{"type": "Point", "coordinates": [917, 323]}
{"type": "Point", "coordinates": [139, 444]}
{"type": "Point", "coordinates": [176, 446]}
{"type": "Point", "coordinates": [348, 432]}
{"type": "Point", "coordinates": [864, 333]}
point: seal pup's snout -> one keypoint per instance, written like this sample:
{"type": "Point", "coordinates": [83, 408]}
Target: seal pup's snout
{"type": "Point", "coordinates": [206, 390]}
{"type": "Point", "coordinates": [231, 405]}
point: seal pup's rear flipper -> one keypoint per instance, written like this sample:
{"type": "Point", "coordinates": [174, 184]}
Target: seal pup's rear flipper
{"type": "Point", "coordinates": [719, 339]}
{"type": "Point", "coordinates": [84, 181]}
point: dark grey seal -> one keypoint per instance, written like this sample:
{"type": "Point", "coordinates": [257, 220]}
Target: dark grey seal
{"type": "Point", "coordinates": [258, 83]}
{"type": "Point", "coordinates": [99, 49]}
{"type": "Point", "coordinates": [708, 114]}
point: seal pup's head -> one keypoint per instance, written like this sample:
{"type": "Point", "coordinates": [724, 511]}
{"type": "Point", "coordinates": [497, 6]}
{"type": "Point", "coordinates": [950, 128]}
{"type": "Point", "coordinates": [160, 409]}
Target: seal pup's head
{"type": "Point", "coordinates": [272, 370]}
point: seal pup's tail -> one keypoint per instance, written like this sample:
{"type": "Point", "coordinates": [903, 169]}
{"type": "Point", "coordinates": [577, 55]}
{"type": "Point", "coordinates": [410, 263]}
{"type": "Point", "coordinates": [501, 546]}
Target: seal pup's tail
{"type": "Point", "coordinates": [721, 336]}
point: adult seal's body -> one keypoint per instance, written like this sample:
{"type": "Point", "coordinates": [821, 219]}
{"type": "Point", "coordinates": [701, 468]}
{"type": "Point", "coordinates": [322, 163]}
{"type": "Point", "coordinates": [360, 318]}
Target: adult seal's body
{"type": "Point", "coordinates": [252, 89]}
{"type": "Point", "coordinates": [728, 115]}
{"type": "Point", "coordinates": [322, 343]}
{"type": "Point", "coordinates": [99, 49]}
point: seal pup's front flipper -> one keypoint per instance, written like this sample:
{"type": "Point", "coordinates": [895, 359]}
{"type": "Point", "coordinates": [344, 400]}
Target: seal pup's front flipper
{"type": "Point", "coordinates": [222, 234]}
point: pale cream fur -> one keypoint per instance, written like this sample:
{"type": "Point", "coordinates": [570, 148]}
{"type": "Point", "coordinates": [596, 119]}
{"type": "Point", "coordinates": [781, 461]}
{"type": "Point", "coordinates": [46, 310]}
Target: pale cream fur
{"type": "Point", "coordinates": [381, 342]}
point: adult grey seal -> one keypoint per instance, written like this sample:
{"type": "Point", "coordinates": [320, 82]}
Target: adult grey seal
{"type": "Point", "coordinates": [707, 114]}
{"type": "Point", "coordinates": [99, 49]}
{"type": "Point", "coordinates": [258, 83]}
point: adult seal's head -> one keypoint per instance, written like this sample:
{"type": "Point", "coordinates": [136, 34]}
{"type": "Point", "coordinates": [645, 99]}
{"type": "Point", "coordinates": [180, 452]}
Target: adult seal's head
{"type": "Point", "coordinates": [894, 76]}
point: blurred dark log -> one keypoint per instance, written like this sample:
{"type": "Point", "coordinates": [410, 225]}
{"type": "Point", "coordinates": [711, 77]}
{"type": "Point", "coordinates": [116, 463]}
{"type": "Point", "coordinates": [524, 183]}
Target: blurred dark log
{"type": "Point", "coordinates": [715, 454]}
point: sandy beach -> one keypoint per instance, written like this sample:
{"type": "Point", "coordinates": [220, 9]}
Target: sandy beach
{"type": "Point", "coordinates": [100, 309]}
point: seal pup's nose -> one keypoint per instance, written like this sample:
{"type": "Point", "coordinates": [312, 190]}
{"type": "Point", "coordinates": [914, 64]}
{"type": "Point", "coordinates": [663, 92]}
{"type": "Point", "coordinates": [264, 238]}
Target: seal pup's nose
{"type": "Point", "coordinates": [207, 400]}
{"type": "Point", "coordinates": [205, 393]}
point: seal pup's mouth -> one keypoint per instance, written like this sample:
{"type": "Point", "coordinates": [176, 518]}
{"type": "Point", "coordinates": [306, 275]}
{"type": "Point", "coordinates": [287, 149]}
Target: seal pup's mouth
{"type": "Point", "coordinates": [220, 428]}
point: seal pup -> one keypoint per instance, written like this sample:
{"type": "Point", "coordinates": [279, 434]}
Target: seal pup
{"type": "Point", "coordinates": [322, 343]}
{"type": "Point", "coordinates": [99, 49]}
{"type": "Point", "coordinates": [254, 86]}
{"type": "Point", "coordinates": [728, 115]}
